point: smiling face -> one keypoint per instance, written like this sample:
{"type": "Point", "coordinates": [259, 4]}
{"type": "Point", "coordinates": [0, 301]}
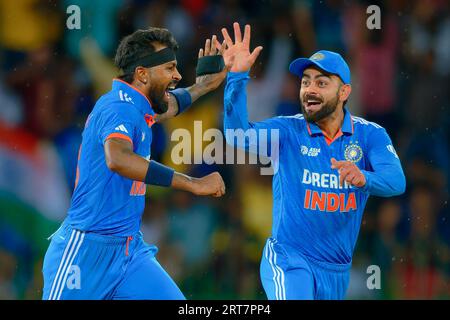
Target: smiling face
{"type": "Point", "coordinates": [321, 94]}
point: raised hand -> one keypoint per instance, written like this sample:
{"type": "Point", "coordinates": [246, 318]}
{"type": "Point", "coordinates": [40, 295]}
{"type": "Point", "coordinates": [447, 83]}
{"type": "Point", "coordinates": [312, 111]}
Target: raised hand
{"type": "Point", "coordinates": [237, 53]}
{"type": "Point", "coordinates": [212, 48]}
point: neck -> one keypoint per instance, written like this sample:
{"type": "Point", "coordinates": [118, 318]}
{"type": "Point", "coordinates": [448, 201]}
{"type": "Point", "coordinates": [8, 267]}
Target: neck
{"type": "Point", "coordinates": [140, 86]}
{"type": "Point", "coordinates": [331, 124]}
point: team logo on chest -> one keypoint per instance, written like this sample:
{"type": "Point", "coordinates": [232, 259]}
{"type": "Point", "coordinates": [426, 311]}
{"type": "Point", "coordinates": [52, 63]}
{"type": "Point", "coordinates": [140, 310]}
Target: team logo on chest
{"type": "Point", "coordinates": [353, 152]}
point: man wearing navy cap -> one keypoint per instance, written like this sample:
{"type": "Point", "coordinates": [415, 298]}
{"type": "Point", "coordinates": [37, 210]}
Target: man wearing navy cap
{"type": "Point", "coordinates": [328, 164]}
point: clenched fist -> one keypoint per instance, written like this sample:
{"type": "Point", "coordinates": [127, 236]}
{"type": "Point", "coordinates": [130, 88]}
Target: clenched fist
{"type": "Point", "coordinates": [212, 184]}
{"type": "Point", "coordinates": [349, 172]}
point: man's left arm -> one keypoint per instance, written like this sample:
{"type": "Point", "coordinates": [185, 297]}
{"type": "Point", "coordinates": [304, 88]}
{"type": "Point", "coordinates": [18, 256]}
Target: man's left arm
{"type": "Point", "coordinates": [188, 96]}
{"type": "Point", "coordinates": [386, 177]}
{"type": "Point", "coordinates": [180, 99]}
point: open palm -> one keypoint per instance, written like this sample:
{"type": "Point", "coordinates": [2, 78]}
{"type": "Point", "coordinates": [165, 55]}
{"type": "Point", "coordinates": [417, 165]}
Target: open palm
{"type": "Point", "coordinates": [238, 53]}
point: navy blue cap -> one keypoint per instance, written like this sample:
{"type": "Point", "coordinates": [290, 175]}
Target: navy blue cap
{"type": "Point", "coordinates": [328, 61]}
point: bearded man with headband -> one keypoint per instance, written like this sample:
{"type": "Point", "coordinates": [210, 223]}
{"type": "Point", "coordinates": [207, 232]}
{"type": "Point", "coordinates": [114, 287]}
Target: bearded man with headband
{"type": "Point", "coordinates": [98, 252]}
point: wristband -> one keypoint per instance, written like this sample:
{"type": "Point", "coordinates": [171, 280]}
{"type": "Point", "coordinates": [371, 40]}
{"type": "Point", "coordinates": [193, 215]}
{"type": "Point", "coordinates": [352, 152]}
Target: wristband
{"type": "Point", "coordinates": [210, 64]}
{"type": "Point", "coordinates": [159, 174]}
{"type": "Point", "coordinates": [183, 98]}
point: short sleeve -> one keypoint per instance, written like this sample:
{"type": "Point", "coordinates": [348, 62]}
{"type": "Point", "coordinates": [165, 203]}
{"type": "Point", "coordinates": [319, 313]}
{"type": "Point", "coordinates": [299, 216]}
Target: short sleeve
{"type": "Point", "coordinates": [118, 121]}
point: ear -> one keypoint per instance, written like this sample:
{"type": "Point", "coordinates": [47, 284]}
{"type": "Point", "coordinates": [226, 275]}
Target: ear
{"type": "Point", "coordinates": [344, 92]}
{"type": "Point", "coordinates": [141, 75]}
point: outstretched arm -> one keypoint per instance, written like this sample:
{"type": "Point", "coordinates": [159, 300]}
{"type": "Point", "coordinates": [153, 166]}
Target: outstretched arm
{"type": "Point", "coordinates": [256, 137]}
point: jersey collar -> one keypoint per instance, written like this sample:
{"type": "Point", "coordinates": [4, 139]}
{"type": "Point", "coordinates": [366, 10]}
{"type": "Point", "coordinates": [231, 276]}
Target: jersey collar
{"type": "Point", "coordinates": [133, 95]}
{"type": "Point", "coordinates": [347, 125]}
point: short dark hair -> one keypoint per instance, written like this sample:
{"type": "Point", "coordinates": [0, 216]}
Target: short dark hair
{"type": "Point", "coordinates": [139, 44]}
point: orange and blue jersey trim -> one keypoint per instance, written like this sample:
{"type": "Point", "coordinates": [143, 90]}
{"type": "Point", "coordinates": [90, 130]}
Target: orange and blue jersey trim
{"type": "Point", "coordinates": [119, 136]}
{"type": "Point", "coordinates": [77, 177]}
{"type": "Point", "coordinates": [144, 104]}
{"type": "Point", "coordinates": [347, 128]}
{"type": "Point", "coordinates": [134, 88]}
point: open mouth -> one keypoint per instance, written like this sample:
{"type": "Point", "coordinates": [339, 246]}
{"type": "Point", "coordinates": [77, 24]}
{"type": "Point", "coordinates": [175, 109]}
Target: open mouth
{"type": "Point", "coordinates": [169, 88]}
{"type": "Point", "coordinates": [312, 104]}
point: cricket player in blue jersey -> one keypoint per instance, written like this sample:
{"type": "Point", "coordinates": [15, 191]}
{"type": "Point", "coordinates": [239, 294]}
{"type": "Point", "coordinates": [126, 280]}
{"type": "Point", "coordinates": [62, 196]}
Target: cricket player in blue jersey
{"type": "Point", "coordinates": [328, 163]}
{"type": "Point", "coordinates": [98, 252]}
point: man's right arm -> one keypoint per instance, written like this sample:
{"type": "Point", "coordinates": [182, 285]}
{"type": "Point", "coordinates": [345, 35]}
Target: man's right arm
{"type": "Point", "coordinates": [262, 136]}
{"type": "Point", "coordinates": [235, 101]}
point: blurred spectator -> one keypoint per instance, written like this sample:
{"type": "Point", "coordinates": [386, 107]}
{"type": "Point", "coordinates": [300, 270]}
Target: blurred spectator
{"type": "Point", "coordinates": [7, 272]}
{"type": "Point", "coordinates": [319, 25]}
{"type": "Point", "coordinates": [256, 194]}
{"type": "Point", "coordinates": [423, 275]}
{"type": "Point", "coordinates": [289, 102]}
{"type": "Point", "coordinates": [11, 113]}
{"type": "Point", "coordinates": [190, 227]}
{"type": "Point", "coordinates": [264, 90]}
{"type": "Point", "coordinates": [388, 247]}
{"type": "Point", "coordinates": [27, 25]}
{"type": "Point", "coordinates": [49, 91]}
{"type": "Point", "coordinates": [375, 62]}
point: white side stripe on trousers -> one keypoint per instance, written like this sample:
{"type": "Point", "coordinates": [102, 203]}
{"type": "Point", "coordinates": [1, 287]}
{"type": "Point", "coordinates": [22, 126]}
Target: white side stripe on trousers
{"type": "Point", "coordinates": [69, 243]}
{"type": "Point", "coordinates": [275, 273]}
{"type": "Point", "coordinates": [70, 251]}
{"type": "Point", "coordinates": [278, 277]}
{"type": "Point", "coordinates": [66, 274]}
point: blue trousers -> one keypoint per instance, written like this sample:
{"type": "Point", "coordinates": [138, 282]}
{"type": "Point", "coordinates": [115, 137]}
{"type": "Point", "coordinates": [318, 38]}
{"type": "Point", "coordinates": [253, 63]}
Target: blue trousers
{"type": "Point", "coordinates": [88, 266]}
{"type": "Point", "coordinates": [286, 274]}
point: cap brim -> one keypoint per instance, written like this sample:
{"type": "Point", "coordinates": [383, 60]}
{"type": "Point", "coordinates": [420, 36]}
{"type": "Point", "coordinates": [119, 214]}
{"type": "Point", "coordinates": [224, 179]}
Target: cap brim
{"type": "Point", "coordinates": [299, 65]}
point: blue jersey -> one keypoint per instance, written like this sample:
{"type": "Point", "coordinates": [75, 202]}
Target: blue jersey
{"type": "Point", "coordinates": [312, 212]}
{"type": "Point", "coordinates": [104, 201]}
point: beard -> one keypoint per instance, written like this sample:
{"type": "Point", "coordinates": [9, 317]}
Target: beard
{"type": "Point", "coordinates": [159, 103]}
{"type": "Point", "coordinates": [327, 108]}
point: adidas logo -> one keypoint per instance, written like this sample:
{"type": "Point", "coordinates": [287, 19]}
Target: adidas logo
{"type": "Point", "coordinates": [124, 97]}
{"type": "Point", "coordinates": [121, 128]}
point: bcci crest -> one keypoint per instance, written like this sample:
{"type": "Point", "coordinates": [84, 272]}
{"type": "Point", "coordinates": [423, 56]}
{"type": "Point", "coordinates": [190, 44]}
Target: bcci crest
{"type": "Point", "coordinates": [317, 56]}
{"type": "Point", "coordinates": [353, 153]}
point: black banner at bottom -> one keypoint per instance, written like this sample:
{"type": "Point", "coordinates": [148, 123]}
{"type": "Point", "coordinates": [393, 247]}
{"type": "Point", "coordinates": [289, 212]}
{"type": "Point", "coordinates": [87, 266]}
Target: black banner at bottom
{"type": "Point", "coordinates": [225, 309]}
